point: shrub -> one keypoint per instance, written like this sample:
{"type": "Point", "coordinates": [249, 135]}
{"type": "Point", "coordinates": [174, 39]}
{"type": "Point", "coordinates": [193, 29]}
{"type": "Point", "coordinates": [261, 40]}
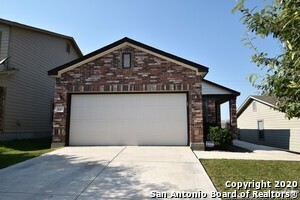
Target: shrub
{"type": "Point", "coordinates": [221, 137]}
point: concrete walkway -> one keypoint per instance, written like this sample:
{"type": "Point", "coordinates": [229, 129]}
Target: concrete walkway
{"type": "Point", "coordinates": [260, 152]}
{"type": "Point", "coordinates": [105, 173]}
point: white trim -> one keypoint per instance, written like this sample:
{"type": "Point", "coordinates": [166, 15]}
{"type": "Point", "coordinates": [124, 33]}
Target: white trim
{"type": "Point", "coordinates": [89, 59]}
{"type": "Point", "coordinates": [242, 106]}
{"type": "Point", "coordinates": [261, 101]}
{"type": "Point", "coordinates": [120, 46]}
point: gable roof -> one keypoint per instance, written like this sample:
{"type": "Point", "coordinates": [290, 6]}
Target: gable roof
{"type": "Point", "coordinates": [267, 100]}
{"type": "Point", "coordinates": [135, 44]}
{"type": "Point", "coordinates": [71, 39]}
{"type": "Point", "coordinates": [230, 91]}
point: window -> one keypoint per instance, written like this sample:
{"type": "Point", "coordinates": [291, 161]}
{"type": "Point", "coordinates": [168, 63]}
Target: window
{"type": "Point", "coordinates": [261, 131]}
{"type": "Point", "coordinates": [254, 106]}
{"type": "Point", "coordinates": [126, 59]}
{"type": "Point", "coordinates": [68, 48]}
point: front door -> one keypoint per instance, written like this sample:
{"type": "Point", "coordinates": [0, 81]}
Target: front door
{"type": "Point", "coordinates": [261, 132]}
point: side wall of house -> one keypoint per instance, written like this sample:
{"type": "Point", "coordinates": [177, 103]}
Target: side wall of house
{"type": "Point", "coordinates": [4, 44]}
{"type": "Point", "coordinates": [4, 41]}
{"type": "Point", "coordinates": [279, 131]}
{"type": "Point", "coordinates": [29, 90]}
{"type": "Point", "coordinates": [147, 74]}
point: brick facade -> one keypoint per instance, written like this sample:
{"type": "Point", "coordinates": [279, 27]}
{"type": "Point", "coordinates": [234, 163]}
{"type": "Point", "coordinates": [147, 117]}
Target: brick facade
{"type": "Point", "coordinates": [209, 110]}
{"type": "Point", "coordinates": [212, 112]}
{"type": "Point", "coordinates": [148, 73]}
{"type": "Point", "coordinates": [233, 117]}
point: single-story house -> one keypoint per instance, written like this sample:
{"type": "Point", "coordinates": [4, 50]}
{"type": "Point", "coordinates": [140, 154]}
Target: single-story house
{"type": "Point", "coordinates": [260, 123]}
{"type": "Point", "coordinates": [129, 93]}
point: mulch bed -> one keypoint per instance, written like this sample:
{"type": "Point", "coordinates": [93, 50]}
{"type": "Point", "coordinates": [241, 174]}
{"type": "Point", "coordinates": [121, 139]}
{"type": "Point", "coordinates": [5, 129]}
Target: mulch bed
{"type": "Point", "coordinates": [231, 148]}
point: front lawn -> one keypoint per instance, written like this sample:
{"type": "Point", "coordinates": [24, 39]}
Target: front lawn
{"type": "Point", "coordinates": [12, 152]}
{"type": "Point", "coordinates": [223, 170]}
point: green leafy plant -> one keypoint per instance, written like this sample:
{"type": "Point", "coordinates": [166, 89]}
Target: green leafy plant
{"type": "Point", "coordinates": [221, 137]}
{"type": "Point", "coordinates": [280, 20]}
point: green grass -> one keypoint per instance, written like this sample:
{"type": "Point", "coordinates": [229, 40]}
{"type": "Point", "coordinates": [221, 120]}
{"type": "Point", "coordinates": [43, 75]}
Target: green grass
{"type": "Point", "coordinates": [223, 170]}
{"type": "Point", "coordinates": [12, 152]}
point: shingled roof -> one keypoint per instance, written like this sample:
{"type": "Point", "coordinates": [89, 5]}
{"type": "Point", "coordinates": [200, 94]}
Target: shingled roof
{"type": "Point", "coordinates": [266, 99]}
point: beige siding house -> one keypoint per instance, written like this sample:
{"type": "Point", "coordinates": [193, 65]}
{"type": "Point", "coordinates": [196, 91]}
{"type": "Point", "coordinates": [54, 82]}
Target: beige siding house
{"type": "Point", "coordinates": [259, 123]}
{"type": "Point", "coordinates": [26, 91]}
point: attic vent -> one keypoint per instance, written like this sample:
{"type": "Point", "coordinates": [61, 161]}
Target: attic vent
{"type": "Point", "coordinates": [126, 60]}
{"type": "Point", "coordinates": [68, 48]}
{"type": "Point", "coordinates": [254, 108]}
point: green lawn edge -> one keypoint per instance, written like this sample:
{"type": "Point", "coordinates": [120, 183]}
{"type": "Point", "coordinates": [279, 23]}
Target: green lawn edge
{"type": "Point", "coordinates": [16, 151]}
{"type": "Point", "coordinates": [222, 170]}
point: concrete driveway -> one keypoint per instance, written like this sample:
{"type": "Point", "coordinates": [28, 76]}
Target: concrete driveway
{"type": "Point", "coordinates": [105, 173]}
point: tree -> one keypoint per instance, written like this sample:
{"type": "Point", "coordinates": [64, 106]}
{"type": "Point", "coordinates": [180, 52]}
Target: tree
{"type": "Point", "coordinates": [280, 19]}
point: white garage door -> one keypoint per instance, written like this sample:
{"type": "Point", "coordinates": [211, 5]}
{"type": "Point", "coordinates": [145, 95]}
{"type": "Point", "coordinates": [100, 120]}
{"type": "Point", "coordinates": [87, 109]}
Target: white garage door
{"type": "Point", "coordinates": [128, 119]}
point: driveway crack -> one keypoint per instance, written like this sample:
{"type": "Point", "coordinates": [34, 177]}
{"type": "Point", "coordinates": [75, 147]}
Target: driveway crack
{"type": "Point", "coordinates": [100, 173]}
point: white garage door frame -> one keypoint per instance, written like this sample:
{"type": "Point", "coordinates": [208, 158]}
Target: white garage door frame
{"type": "Point", "coordinates": [69, 102]}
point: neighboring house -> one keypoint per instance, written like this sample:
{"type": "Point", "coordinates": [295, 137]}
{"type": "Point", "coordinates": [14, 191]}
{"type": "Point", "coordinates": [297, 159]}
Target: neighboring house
{"type": "Point", "coordinates": [260, 123]}
{"type": "Point", "coordinates": [26, 91]}
{"type": "Point", "coordinates": [128, 93]}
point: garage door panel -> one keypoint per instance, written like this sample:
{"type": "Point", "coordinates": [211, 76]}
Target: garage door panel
{"type": "Point", "coordinates": [128, 127]}
{"type": "Point", "coordinates": [128, 119]}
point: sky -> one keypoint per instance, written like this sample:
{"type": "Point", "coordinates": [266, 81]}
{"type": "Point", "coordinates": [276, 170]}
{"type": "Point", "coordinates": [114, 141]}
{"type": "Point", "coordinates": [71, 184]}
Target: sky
{"type": "Point", "coordinates": [203, 31]}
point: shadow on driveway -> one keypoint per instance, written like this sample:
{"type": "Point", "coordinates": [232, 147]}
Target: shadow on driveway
{"type": "Point", "coordinates": [83, 173]}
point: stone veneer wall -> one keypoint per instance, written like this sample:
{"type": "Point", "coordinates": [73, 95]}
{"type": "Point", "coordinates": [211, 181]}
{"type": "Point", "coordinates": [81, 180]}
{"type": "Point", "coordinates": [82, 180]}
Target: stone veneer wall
{"type": "Point", "coordinates": [148, 73]}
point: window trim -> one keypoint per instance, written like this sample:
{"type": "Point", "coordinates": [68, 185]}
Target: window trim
{"type": "Point", "coordinates": [123, 59]}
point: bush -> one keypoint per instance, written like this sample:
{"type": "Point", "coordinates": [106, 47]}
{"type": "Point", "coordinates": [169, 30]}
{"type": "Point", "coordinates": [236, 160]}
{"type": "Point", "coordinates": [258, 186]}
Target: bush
{"type": "Point", "coordinates": [221, 137]}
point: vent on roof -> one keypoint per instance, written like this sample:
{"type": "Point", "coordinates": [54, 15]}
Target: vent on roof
{"type": "Point", "coordinates": [254, 108]}
{"type": "Point", "coordinates": [68, 48]}
{"type": "Point", "coordinates": [126, 59]}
